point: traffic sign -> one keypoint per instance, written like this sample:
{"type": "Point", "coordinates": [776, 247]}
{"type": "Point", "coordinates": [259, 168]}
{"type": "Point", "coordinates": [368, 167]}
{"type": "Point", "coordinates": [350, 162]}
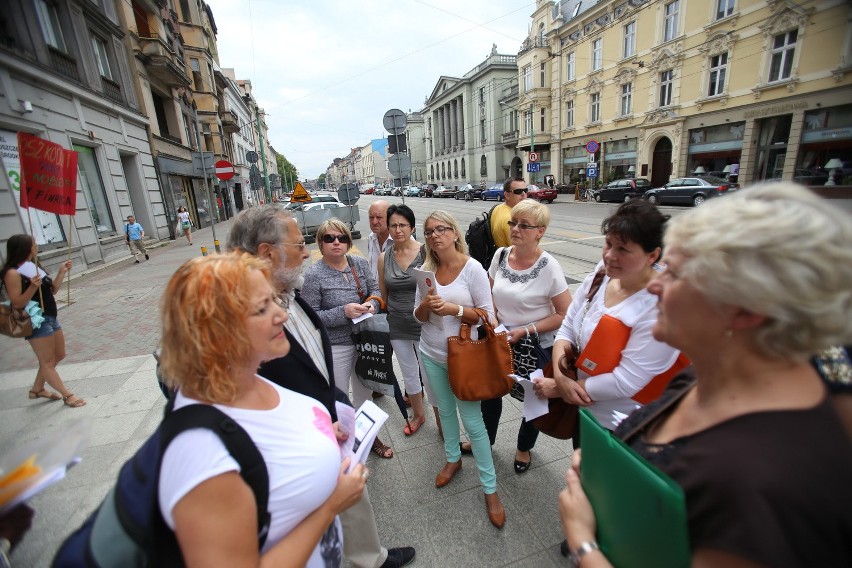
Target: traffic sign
{"type": "Point", "coordinates": [533, 156]}
{"type": "Point", "coordinates": [592, 165]}
{"type": "Point", "coordinates": [395, 121]}
{"type": "Point", "coordinates": [592, 146]}
{"type": "Point", "coordinates": [251, 157]}
{"type": "Point", "coordinates": [534, 167]}
{"type": "Point", "coordinates": [399, 165]}
{"type": "Point", "coordinates": [224, 170]}
{"type": "Point", "coordinates": [592, 172]}
{"type": "Point", "coordinates": [300, 194]}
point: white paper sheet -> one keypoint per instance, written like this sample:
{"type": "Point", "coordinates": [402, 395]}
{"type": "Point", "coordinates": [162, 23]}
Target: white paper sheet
{"type": "Point", "coordinates": [28, 269]}
{"type": "Point", "coordinates": [362, 427]}
{"type": "Point", "coordinates": [362, 317]}
{"type": "Point", "coordinates": [533, 406]}
{"type": "Point", "coordinates": [425, 282]}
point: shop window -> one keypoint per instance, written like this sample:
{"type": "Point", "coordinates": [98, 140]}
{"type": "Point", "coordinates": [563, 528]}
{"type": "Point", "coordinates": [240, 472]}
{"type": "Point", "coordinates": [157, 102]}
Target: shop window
{"type": "Point", "coordinates": [772, 147]}
{"type": "Point", "coordinates": [94, 190]}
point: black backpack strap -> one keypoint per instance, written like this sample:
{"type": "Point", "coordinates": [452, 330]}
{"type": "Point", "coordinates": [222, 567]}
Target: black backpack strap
{"type": "Point", "coordinates": [238, 443]}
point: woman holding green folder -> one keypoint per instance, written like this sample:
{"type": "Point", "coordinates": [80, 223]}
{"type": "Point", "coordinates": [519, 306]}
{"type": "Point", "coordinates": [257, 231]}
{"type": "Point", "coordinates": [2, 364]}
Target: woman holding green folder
{"type": "Point", "coordinates": [755, 283]}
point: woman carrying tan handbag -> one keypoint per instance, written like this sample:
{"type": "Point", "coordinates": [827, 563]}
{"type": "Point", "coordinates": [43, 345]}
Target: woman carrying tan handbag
{"type": "Point", "coordinates": [461, 285]}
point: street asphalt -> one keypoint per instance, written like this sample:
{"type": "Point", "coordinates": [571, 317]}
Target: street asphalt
{"type": "Point", "coordinates": [112, 326]}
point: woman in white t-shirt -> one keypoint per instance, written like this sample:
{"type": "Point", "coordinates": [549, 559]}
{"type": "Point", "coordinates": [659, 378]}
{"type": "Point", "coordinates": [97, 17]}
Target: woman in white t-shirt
{"type": "Point", "coordinates": [461, 285]}
{"type": "Point", "coordinates": [531, 298]}
{"type": "Point", "coordinates": [221, 319]}
{"type": "Point", "coordinates": [185, 223]}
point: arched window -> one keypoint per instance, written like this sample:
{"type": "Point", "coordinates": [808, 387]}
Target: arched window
{"type": "Point", "coordinates": [483, 166]}
{"type": "Point", "coordinates": [541, 33]}
{"type": "Point", "coordinates": [432, 171]}
{"type": "Point", "coordinates": [456, 169]}
{"type": "Point", "coordinates": [443, 171]}
{"type": "Point", "coordinates": [463, 174]}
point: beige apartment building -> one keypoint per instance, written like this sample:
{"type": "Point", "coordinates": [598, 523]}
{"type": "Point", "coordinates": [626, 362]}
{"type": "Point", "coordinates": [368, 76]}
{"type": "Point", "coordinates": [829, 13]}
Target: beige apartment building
{"type": "Point", "coordinates": [749, 89]}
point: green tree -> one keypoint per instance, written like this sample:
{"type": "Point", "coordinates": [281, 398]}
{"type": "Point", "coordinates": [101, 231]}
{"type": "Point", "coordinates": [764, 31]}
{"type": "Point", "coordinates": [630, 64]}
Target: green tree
{"type": "Point", "coordinates": [321, 181]}
{"type": "Point", "coordinates": [289, 173]}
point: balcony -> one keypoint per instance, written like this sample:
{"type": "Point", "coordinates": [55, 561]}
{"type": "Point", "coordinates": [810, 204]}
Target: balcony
{"type": "Point", "coordinates": [510, 137]}
{"type": "Point", "coordinates": [161, 62]}
{"type": "Point", "coordinates": [112, 90]}
{"type": "Point", "coordinates": [63, 63]}
{"type": "Point", "coordinates": [532, 43]}
{"type": "Point", "coordinates": [230, 122]}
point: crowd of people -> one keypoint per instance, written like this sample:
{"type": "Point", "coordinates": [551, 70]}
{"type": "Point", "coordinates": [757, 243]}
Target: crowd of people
{"type": "Point", "coordinates": [705, 342]}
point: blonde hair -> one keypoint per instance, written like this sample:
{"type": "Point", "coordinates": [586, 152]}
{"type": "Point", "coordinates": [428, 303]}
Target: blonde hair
{"type": "Point", "coordinates": [777, 250]}
{"type": "Point", "coordinates": [204, 310]}
{"type": "Point", "coordinates": [539, 213]}
{"type": "Point", "coordinates": [431, 262]}
{"type": "Point", "coordinates": [333, 224]}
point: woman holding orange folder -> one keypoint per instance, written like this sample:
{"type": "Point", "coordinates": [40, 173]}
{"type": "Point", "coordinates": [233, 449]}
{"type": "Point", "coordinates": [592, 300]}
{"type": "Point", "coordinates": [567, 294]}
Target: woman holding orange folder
{"type": "Point", "coordinates": [620, 366]}
{"type": "Point", "coordinates": [756, 282]}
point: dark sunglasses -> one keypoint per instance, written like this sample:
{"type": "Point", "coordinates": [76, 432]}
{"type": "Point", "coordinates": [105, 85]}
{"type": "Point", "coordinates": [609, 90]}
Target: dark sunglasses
{"type": "Point", "coordinates": [328, 239]}
{"type": "Point", "coordinates": [519, 191]}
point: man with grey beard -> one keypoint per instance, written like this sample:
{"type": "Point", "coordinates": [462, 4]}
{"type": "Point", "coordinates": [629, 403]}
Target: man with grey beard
{"type": "Point", "coordinates": [270, 233]}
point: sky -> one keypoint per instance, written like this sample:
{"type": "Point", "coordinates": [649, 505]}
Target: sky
{"type": "Point", "coordinates": [326, 71]}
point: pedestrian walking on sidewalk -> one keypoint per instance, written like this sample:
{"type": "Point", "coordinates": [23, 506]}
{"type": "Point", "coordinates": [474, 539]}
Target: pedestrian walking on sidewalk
{"type": "Point", "coordinates": [185, 223]}
{"type": "Point", "coordinates": [134, 233]}
{"type": "Point", "coordinates": [23, 279]}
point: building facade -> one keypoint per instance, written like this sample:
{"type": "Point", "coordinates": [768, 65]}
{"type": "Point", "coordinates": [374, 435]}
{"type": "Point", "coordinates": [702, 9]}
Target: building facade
{"type": "Point", "coordinates": [744, 89]}
{"type": "Point", "coordinates": [464, 125]}
{"type": "Point", "coordinates": [415, 137]}
{"type": "Point", "coordinates": [66, 75]}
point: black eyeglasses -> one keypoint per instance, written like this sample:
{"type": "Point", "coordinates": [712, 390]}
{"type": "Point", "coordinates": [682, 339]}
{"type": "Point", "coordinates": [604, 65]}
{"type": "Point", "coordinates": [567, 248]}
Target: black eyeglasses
{"type": "Point", "coordinates": [328, 239]}
{"type": "Point", "coordinates": [524, 226]}
{"type": "Point", "coordinates": [439, 230]}
{"type": "Point", "coordinates": [519, 191]}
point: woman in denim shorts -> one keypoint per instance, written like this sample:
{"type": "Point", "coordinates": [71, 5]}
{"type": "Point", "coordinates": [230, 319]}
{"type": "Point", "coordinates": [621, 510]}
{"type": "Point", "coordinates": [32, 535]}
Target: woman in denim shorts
{"type": "Point", "coordinates": [23, 280]}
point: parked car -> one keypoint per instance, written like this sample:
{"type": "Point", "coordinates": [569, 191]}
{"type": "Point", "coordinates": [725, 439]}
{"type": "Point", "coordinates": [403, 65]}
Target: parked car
{"type": "Point", "coordinates": [694, 190]}
{"type": "Point", "coordinates": [469, 192]}
{"type": "Point", "coordinates": [412, 191]}
{"type": "Point", "coordinates": [622, 190]}
{"type": "Point", "coordinates": [396, 192]}
{"type": "Point", "coordinates": [324, 198]}
{"type": "Point", "coordinates": [428, 190]}
{"type": "Point", "coordinates": [443, 191]}
{"type": "Point", "coordinates": [542, 194]}
{"type": "Point", "coordinates": [493, 192]}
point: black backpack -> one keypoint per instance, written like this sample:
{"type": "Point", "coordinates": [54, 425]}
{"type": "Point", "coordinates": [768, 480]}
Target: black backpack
{"type": "Point", "coordinates": [480, 241]}
{"type": "Point", "coordinates": [127, 529]}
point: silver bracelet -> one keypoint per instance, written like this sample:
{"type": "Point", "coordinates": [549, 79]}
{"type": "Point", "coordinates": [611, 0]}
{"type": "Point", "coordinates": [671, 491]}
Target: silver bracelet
{"type": "Point", "coordinates": [582, 550]}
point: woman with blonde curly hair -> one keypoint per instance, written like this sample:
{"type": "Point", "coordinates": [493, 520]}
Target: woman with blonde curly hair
{"type": "Point", "coordinates": [461, 285]}
{"type": "Point", "coordinates": [756, 282]}
{"type": "Point", "coordinates": [221, 319]}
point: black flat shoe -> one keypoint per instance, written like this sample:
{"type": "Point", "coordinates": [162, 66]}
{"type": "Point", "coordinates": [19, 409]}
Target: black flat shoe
{"type": "Point", "coordinates": [465, 451]}
{"type": "Point", "coordinates": [522, 467]}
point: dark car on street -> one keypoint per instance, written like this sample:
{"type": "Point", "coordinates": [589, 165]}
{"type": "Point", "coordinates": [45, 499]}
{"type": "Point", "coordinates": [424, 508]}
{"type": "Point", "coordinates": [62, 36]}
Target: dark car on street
{"type": "Point", "coordinates": [541, 194]}
{"type": "Point", "coordinates": [428, 190]}
{"type": "Point", "coordinates": [469, 192]}
{"type": "Point", "coordinates": [689, 190]}
{"type": "Point", "coordinates": [622, 190]}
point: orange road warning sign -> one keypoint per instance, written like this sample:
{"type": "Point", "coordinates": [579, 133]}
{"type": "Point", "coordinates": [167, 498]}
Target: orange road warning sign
{"type": "Point", "coordinates": [300, 195]}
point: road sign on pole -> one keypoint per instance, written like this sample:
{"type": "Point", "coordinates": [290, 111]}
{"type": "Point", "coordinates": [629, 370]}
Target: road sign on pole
{"type": "Point", "coordinates": [592, 146]}
{"type": "Point", "coordinates": [224, 170]}
{"type": "Point", "coordinates": [395, 121]}
{"type": "Point", "coordinates": [592, 172]}
{"type": "Point", "coordinates": [533, 156]}
{"type": "Point", "coordinates": [534, 167]}
{"type": "Point", "coordinates": [300, 195]}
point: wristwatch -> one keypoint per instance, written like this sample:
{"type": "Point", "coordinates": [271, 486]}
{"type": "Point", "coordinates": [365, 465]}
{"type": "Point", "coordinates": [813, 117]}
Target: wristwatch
{"type": "Point", "coordinates": [582, 550]}
{"type": "Point", "coordinates": [460, 315]}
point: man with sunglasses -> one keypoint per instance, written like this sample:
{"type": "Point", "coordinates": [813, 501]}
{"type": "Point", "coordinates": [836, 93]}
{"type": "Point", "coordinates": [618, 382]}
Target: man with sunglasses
{"type": "Point", "coordinates": [269, 232]}
{"type": "Point", "coordinates": [514, 191]}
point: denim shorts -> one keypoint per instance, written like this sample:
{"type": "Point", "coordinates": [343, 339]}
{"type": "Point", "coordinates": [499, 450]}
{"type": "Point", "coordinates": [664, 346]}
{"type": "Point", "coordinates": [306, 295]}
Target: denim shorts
{"type": "Point", "coordinates": [48, 327]}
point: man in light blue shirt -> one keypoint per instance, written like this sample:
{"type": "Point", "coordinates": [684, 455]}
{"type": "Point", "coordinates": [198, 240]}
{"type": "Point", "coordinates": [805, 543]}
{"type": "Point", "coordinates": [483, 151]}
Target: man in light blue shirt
{"type": "Point", "coordinates": [134, 233]}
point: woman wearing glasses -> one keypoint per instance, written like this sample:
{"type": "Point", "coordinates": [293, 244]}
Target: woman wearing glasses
{"type": "Point", "coordinates": [335, 287]}
{"type": "Point", "coordinates": [398, 284]}
{"type": "Point", "coordinates": [531, 298]}
{"type": "Point", "coordinates": [461, 285]}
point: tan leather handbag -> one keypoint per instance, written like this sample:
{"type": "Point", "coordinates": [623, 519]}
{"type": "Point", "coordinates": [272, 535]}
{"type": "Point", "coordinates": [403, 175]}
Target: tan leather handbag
{"type": "Point", "coordinates": [479, 369]}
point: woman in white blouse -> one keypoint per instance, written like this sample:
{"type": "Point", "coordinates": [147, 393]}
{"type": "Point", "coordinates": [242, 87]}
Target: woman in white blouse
{"type": "Point", "coordinates": [461, 285]}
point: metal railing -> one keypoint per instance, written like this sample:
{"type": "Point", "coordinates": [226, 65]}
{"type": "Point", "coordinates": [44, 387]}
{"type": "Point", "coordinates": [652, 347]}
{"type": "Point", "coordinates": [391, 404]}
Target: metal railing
{"type": "Point", "coordinates": [63, 63]}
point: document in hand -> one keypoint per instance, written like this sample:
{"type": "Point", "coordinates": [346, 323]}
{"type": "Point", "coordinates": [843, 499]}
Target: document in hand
{"type": "Point", "coordinates": [425, 282]}
{"type": "Point", "coordinates": [641, 511]}
{"type": "Point", "coordinates": [362, 426]}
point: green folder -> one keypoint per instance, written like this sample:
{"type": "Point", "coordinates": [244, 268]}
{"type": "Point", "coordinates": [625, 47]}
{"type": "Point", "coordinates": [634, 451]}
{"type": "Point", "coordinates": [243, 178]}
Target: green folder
{"type": "Point", "coordinates": [641, 511]}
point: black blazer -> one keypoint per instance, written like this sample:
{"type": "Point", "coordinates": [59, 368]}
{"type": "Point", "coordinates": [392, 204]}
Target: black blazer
{"type": "Point", "coordinates": [297, 372]}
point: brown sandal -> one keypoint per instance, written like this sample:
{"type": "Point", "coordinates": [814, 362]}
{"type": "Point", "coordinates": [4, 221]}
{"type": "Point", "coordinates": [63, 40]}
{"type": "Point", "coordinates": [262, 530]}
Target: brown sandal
{"type": "Point", "coordinates": [44, 393]}
{"type": "Point", "coordinates": [381, 450]}
{"type": "Point", "coordinates": [73, 401]}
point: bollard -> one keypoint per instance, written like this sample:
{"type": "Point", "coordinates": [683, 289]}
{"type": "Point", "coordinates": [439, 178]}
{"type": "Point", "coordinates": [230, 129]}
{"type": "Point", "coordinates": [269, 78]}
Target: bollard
{"type": "Point", "coordinates": [216, 244]}
{"type": "Point", "coordinates": [203, 251]}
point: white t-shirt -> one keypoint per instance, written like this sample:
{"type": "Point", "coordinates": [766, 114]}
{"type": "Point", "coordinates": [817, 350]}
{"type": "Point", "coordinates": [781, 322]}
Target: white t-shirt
{"type": "Point", "coordinates": [642, 359]}
{"type": "Point", "coordinates": [470, 289]}
{"type": "Point", "coordinates": [184, 217]}
{"type": "Point", "coordinates": [525, 296]}
{"type": "Point", "coordinates": [302, 458]}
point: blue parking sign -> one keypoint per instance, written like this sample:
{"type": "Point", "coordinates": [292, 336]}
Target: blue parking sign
{"type": "Point", "coordinates": [534, 167]}
{"type": "Point", "coordinates": [592, 172]}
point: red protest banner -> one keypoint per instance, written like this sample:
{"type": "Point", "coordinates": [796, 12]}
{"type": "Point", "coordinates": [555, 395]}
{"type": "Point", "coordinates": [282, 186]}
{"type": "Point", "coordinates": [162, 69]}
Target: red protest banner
{"type": "Point", "coordinates": [48, 175]}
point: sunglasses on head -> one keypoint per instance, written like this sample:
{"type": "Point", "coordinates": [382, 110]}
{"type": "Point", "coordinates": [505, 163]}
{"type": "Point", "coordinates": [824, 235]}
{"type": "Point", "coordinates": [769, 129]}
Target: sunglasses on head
{"type": "Point", "coordinates": [328, 239]}
{"type": "Point", "coordinates": [519, 191]}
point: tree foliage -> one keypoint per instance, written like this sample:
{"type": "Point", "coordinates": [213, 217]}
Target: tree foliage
{"type": "Point", "coordinates": [289, 173]}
